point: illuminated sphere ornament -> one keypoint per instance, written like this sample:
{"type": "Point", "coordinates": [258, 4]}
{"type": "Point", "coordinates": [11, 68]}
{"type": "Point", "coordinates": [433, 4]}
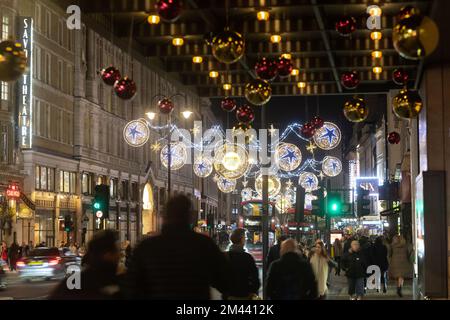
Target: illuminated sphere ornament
{"type": "Point", "coordinates": [284, 66]}
{"type": "Point", "coordinates": [407, 12]}
{"type": "Point", "coordinates": [228, 104]}
{"type": "Point", "coordinates": [308, 181]}
{"type": "Point", "coordinates": [110, 75]}
{"type": "Point", "coordinates": [288, 156]}
{"type": "Point", "coordinates": [226, 185]}
{"type": "Point", "coordinates": [165, 106]}
{"type": "Point", "coordinates": [266, 69]}
{"type": "Point", "coordinates": [416, 36]}
{"type": "Point", "coordinates": [317, 122]}
{"type": "Point", "coordinates": [13, 60]}
{"type": "Point", "coordinates": [328, 137]}
{"type": "Point", "coordinates": [125, 88]}
{"type": "Point", "coordinates": [345, 26]}
{"type": "Point", "coordinates": [178, 155]}
{"type": "Point", "coordinates": [247, 194]}
{"type": "Point", "coordinates": [274, 185]}
{"type": "Point", "coordinates": [245, 114]}
{"type": "Point", "coordinates": [169, 10]}
{"type": "Point", "coordinates": [283, 203]}
{"type": "Point", "coordinates": [136, 133]}
{"type": "Point", "coordinates": [244, 127]}
{"type": "Point", "coordinates": [394, 137]}
{"type": "Point", "coordinates": [307, 130]}
{"type": "Point", "coordinates": [231, 161]}
{"type": "Point", "coordinates": [203, 167]}
{"type": "Point", "coordinates": [228, 47]}
{"type": "Point", "coordinates": [208, 38]}
{"type": "Point", "coordinates": [331, 166]}
{"type": "Point", "coordinates": [407, 104]}
{"type": "Point", "coordinates": [350, 80]}
{"type": "Point", "coordinates": [258, 92]}
{"type": "Point", "coordinates": [355, 110]}
{"type": "Point", "coordinates": [400, 76]}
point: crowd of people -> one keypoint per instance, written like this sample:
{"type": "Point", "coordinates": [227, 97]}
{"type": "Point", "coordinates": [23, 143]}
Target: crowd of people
{"type": "Point", "coordinates": [12, 253]}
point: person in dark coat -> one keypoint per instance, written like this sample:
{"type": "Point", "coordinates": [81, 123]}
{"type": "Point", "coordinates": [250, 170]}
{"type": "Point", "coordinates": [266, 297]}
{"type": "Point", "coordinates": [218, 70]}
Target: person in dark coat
{"type": "Point", "coordinates": [179, 263]}
{"type": "Point", "coordinates": [291, 277]}
{"type": "Point", "coordinates": [98, 279]}
{"type": "Point", "coordinates": [274, 251]}
{"type": "Point", "coordinates": [13, 255]}
{"type": "Point", "coordinates": [355, 266]}
{"type": "Point", "coordinates": [380, 258]}
{"type": "Point", "coordinates": [244, 280]}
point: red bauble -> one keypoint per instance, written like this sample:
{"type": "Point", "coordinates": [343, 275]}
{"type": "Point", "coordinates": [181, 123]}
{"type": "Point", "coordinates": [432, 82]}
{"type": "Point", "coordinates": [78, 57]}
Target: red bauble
{"type": "Point", "coordinates": [245, 114]}
{"type": "Point", "coordinates": [400, 76]}
{"type": "Point", "coordinates": [307, 130]}
{"type": "Point", "coordinates": [169, 10]}
{"type": "Point", "coordinates": [228, 104]}
{"type": "Point", "coordinates": [346, 25]}
{"type": "Point", "coordinates": [317, 122]}
{"type": "Point", "coordinates": [266, 69]}
{"type": "Point", "coordinates": [110, 75]}
{"type": "Point", "coordinates": [350, 79]}
{"type": "Point", "coordinates": [125, 88]}
{"type": "Point", "coordinates": [394, 137]}
{"type": "Point", "coordinates": [284, 67]}
{"type": "Point", "coordinates": [165, 106]}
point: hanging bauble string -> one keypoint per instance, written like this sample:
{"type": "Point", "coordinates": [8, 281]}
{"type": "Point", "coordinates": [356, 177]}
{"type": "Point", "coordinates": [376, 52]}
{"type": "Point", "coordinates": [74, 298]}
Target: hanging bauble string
{"type": "Point", "coordinates": [400, 76]}
{"type": "Point", "coordinates": [169, 10]}
{"type": "Point", "coordinates": [317, 122]}
{"type": "Point", "coordinates": [228, 104]}
{"type": "Point", "coordinates": [13, 60]}
{"type": "Point", "coordinates": [415, 36]}
{"type": "Point", "coordinates": [165, 106]}
{"type": "Point", "coordinates": [258, 92]}
{"type": "Point", "coordinates": [407, 104]}
{"type": "Point", "coordinates": [345, 25]}
{"type": "Point", "coordinates": [266, 69]}
{"type": "Point", "coordinates": [110, 75]}
{"type": "Point", "coordinates": [307, 130]}
{"type": "Point", "coordinates": [228, 46]}
{"type": "Point", "coordinates": [245, 114]}
{"type": "Point", "coordinates": [284, 67]}
{"type": "Point", "coordinates": [350, 79]}
{"type": "Point", "coordinates": [394, 137]}
{"type": "Point", "coordinates": [125, 88]}
{"type": "Point", "coordinates": [355, 110]}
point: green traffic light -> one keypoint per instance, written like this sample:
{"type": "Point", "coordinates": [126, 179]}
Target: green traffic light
{"type": "Point", "coordinates": [334, 207]}
{"type": "Point", "coordinates": [97, 205]}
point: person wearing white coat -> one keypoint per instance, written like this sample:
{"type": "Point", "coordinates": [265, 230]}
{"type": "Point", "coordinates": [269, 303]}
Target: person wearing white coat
{"type": "Point", "coordinates": [320, 265]}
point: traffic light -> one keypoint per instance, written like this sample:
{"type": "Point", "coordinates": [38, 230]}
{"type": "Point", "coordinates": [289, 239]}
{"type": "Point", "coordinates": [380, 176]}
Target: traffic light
{"type": "Point", "coordinates": [334, 204]}
{"type": "Point", "coordinates": [68, 224]}
{"type": "Point", "coordinates": [318, 206]}
{"type": "Point", "coordinates": [100, 204]}
{"type": "Point", "coordinates": [363, 203]}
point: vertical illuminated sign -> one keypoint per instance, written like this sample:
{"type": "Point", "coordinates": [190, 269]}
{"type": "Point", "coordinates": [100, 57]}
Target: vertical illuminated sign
{"type": "Point", "coordinates": [25, 84]}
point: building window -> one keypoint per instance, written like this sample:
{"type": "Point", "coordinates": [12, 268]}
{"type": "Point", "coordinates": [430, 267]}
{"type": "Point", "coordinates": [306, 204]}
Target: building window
{"type": "Point", "coordinates": [48, 69]}
{"type": "Point", "coordinates": [4, 144]}
{"type": "Point", "coordinates": [48, 24]}
{"type": "Point", "coordinates": [60, 75]}
{"type": "Point", "coordinates": [124, 195]}
{"type": "Point", "coordinates": [101, 180]}
{"type": "Point", "coordinates": [135, 191]}
{"type": "Point", "coordinates": [86, 183]}
{"type": "Point", "coordinates": [45, 178]}
{"type": "Point", "coordinates": [113, 182]}
{"type": "Point", "coordinates": [5, 28]}
{"type": "Point", "coordinates": [67, 181]}
{"type": "Point", "coordinates": [5, 90]}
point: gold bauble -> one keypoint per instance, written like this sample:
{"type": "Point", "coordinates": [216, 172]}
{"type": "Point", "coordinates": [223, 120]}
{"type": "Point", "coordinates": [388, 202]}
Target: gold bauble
{"type": "Point", "coordinates": [13, 61]}
{"type": "Point", "coordinates": [258, 92]}
{"type": "Point", "coordinates": [355, 110]}
{"type": "Point", "coordinates": [228, 46]}
{"type": "Point", "coordinates": [407, 104]}
{"type": "Point", "coordinates": [415, 37]}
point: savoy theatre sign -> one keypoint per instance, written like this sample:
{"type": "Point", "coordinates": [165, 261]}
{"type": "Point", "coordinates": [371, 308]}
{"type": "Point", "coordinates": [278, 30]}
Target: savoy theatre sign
{"type": "Point", "coordinates": [25, 37]}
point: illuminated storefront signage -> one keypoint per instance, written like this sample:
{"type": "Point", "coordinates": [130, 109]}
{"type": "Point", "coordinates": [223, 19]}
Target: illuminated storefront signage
{"type": "Point", "coordinates": [13, 192]}
{"type": "Point", "coordinates": [25, 37]}
{"type": "Point", "coordinates": [368, 183]}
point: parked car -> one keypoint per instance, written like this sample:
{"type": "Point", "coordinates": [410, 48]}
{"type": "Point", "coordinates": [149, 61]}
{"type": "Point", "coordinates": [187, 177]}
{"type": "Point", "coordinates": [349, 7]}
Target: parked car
{"type": "Point", "coordinates": [47, 263]}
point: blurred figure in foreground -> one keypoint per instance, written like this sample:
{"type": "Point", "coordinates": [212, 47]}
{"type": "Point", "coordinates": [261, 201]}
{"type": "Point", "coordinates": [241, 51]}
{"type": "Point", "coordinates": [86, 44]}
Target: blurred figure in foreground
{"type": "Point", "coordinates": [380, 258]}
{"type": "Point", "coordinates": [355, 265]}
{"type": "Point", "coordinates": [319, 263]}
{"type": "Point", "coordinates": [13, 255]}
{"type": "Point", "coordinates": [274, 251]}
{"type": "Point", "coordinates": [99, 280]}
{"type": "Point", "coordinates": [338, 248]}
{"type": "Point", "coordinates": [291, 277]}
{"type": "Point", "coordinates": [179, 263]}
{"type": "Point", "coordinates": [244, 280]}
{"type": "Point", "coordinates": [401, 266]}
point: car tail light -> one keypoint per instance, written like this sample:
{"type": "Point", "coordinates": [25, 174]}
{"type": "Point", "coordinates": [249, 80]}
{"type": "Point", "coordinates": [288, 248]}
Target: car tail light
{"type": "Point", "coordinates": [53, 262]}
{"type": "Point", "coordinates": [20, 264]}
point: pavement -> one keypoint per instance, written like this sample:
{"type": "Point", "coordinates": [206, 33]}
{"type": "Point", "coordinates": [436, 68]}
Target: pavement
{"type": "Point", "coordinates": [18, 289]}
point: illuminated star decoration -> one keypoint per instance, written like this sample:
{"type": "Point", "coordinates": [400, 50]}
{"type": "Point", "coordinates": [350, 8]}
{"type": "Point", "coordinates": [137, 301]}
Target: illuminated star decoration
{"type": "Point", "coordinates": [331, 166]}
{"type": "Point", "coordinates": [311, 147]}
{"type": "Point", "coordinates": [328, 137]}
{"type": "Point", "coordinates": [244, 183]}
{"type": "Point", "coordinates": [272, 130]}
{"type": "Point", "coordinates": [134, 132]}
{"type": "Point", "coordinates": [226, 185]}
{"type": "Point", "coordinates": [178, 156]}
{"type": "Point", "coordinates": [202, 167]}
{"type": "Point", "coordinates": [195, 130]}
{"type": "Point", "coordinates": [289, 184]}
{"type": "Point", "coordinates": [308, 181]}
{"type": "Point", "coordinates": [321, 175]}
{"type": "Point", "coordinates": [288, 156]}
{"type": "Point", "coordinates": [156, 146]}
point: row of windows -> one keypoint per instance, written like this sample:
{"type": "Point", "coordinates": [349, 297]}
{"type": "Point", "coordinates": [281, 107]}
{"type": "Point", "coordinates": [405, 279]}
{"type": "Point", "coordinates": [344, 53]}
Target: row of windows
{"type": "Point", "coordinates": [45, 181]}
{"type": "Point", "coordinates": [52, 122]}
